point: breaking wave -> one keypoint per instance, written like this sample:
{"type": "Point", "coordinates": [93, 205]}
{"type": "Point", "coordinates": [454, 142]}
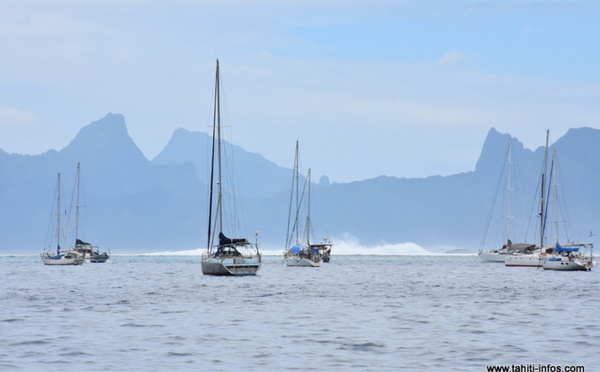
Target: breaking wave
{"type": "Point", "coordinates": [347, 245]}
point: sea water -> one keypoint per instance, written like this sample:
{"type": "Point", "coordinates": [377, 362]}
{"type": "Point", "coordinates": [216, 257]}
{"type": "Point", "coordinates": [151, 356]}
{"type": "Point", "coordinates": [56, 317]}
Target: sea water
{"type": "Point", "coordinates": [356, 313]}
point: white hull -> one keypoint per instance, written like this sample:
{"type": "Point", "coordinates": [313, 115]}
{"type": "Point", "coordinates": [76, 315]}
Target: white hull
{"type": "Point", "coordinates": [303, 262]}
{"type": "Point", "coordinates": [523, 260]}
{"type": "Point", "coordinates": [565, 266]}
{"type": "Point", "coordinates": [568, 264]}
{"type": "Point", "coordinates": [492, 257]}
{"type": "Point", "coordinates": [48, 259]}
{"type": "Point", "coordinates": [236, 266]}
{"type": "Point", "coordinates": [91, 255]}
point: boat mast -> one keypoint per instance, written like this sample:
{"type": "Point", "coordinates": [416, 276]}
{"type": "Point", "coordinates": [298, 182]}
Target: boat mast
{"type": "Point", "coordinates": [219, 181]}
{"type": "Point", "coordinates": [555, 192]}
{"type": "Point", "coordinates": [308, 223]}
{"type": "Point", "coordinates": [216, 136]}
{"type": "Point", "coordinates": [77, 205]}
{"type": "Point", "coordinates": [296, 179]}
{"type": "Point", "coordinates": [58, 216]}
{"type": "Point", "coordinates": [508, 189]}
{"type": "Point", "coordinates": [294, 190]}
{"type": "Point", "coordinates": [542, 199]}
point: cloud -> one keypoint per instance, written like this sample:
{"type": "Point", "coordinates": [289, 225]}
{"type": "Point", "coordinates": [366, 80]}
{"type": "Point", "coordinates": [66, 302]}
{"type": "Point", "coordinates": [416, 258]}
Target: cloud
{"type": "Point", "coordinates": [10, 116]}
{"type": "Point", "coordinates": [292, 71]}
{"type": "Point", "coordinates": [452, 57]}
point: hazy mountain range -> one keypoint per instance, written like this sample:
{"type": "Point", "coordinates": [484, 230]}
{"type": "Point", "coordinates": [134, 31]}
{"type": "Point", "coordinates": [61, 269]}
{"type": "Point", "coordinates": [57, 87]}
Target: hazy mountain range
{"type": "Point", "coordinates": [132, 204]}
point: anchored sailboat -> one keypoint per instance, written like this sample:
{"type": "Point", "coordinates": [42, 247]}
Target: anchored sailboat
{"type": "Point", "coordinates": [90, 252]}
{"type": "Point", "coordinates": [531, 257]}
{"type": "Point", "coordinates": [61, 257]}
{"type": "Point", "coordinates": [499, 255]}
{"type": "Point", "coordinates": [302, 253]}
{"type": "Point", "coordinates": [568, 256]}
{"type": "Point", "coordinates": [226, 256]}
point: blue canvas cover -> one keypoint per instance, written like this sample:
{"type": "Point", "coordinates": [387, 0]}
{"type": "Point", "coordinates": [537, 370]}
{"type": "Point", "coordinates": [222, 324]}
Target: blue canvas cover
{"type": "Point", "coordinates": [298, 248]}
{"type": "Point", "coordinates": [560, 248]}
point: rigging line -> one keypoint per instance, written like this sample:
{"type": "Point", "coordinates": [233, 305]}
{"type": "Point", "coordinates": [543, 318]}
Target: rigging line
{"type": "Point", "coordinates": [232, 222]}
{"type": "Point", "coordinates": [210, 238]}
{"type": "Point", "coordinates": [301, 201]}
{"type": "Point", "coordinates": [532, 208]}
{"type": "Point", "coordinates": [288, 233]}
{"type": "Point", "coordinates": [51, 227]}
{"type": "Point", "coordinates": [488, 222]}
{"type": "Point", "coordinates": [562, 204]}
{"type": "Point", "coordinates": [545, 216]}
{"type": "Point", "coordinates": [288, 237]}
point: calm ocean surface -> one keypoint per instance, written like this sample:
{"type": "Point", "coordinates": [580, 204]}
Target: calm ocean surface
{"type": "Point", "coordinates": [357, 313]}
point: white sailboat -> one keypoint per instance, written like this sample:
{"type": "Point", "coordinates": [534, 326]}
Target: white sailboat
{"type": "Point", "coordinates": [226, 256]}
{"type": "Point", "coordinates": [569, 256]}
{"type": "Point", "coordinates": [90, 253]}
{"type": "Point", "coordinates": [303, 253]}
{"type": "Point", "coordinates": [532, 257]}
{"type": "Point", "coordinates": [61, 257]}
{"type": "Point", "coordinates": [499, 254]}
{"type": "Point", "coordinates": [529, 258]}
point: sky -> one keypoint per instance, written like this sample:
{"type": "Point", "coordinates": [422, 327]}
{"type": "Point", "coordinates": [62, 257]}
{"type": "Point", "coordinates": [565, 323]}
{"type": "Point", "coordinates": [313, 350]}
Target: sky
{"type": "Point", "coordinates": [404, 88]}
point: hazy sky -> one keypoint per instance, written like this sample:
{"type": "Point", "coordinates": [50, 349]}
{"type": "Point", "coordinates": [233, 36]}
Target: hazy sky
{"type": "Point", "coordinates": [405, 88]}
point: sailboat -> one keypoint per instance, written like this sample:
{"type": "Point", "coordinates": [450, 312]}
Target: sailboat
{"type": "Point", "coordinates": [569, 256]}
{"type": "Point", "coordinates": [225, 256]}
{"type": "Point", "coordinates": [499, 255]}
{"type": "Point", "coordinates": [303, 253]}
{"type": "Point", "coordinates": [90, 252]}
{"type": "Point", "coordinates": [61, 257]}
{"type": "Point", "coordinates": [532, 257]}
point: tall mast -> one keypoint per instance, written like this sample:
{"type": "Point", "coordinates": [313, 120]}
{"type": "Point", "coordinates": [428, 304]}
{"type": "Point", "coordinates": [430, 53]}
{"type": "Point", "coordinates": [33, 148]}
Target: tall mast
{"type": "Point", "coordinates": [508, 188]}
{"type": "Point", "coordinates": [294, 193]}
{"type": "Point", "coordinates": [58, 216]}
{"type": "Point", "coordinates": [543, 199]}
{"type": "Point", "coordinates": [296, 177]}
{"type": "Point", "coordinates": [555, 192]}
{"type": "Point", "coordinates": [308, 223]}
{"type": "Point", "coordinates": [77, 205]}
{"type": "Point", "coordinates": [216, 118]}
{"type": "Point", "coordinates": [219, 183]}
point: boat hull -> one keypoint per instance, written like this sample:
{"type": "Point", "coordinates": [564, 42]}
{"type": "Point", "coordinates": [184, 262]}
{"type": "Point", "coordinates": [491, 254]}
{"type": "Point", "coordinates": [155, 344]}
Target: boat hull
{"type": "Point", "coordinates": [61, 260]}
{"type": "Point", "coordinates": [233, 266]}
{"type": "Point", "coordinates": [564, 264]}
{"type": "Point", "coordinates": [523, 260]}
{"type": "Point", "coordinates": [302, 262]}
{"type": "Point", "coordinates": [492, 257]}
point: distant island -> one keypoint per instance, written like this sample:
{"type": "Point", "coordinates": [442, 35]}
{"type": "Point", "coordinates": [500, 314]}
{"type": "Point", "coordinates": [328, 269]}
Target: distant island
{"type": "Point", "coordinates": [140, 205]}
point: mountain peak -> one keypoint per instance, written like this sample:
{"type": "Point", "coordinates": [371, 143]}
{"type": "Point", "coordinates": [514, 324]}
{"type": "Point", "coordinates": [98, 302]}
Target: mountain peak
{"type": "Point", "coordinates": [110, 126]}
{"type": "Point", "coordinates": [495, 143]}
{"type": "Point", "coordinates": [183, 146]}
{"type": "Point", "coordinates": [107, 136]}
